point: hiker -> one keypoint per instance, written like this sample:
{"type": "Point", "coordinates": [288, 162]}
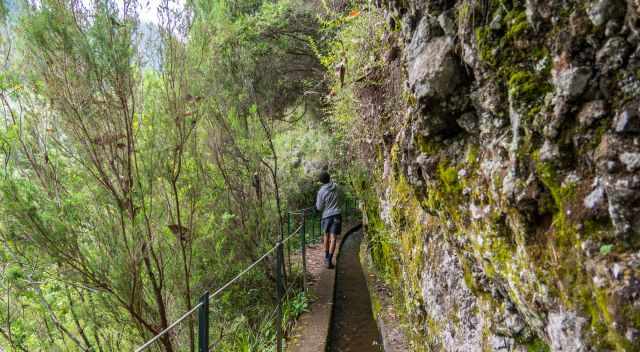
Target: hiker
{"type": "Point", "coordinates": [331, 223]}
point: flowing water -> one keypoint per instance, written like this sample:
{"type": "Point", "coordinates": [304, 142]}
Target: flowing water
{"type": "Point", "coordinates": [352, 327]}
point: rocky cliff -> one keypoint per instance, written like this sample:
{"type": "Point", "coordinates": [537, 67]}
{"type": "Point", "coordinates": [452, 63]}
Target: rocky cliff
{"type": "Point", "coordinates": [504, 208]}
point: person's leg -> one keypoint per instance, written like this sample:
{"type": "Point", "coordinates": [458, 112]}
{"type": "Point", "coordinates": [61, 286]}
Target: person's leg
{"type": "Point", "coordinates": [332, 246]}
{"type": "Point", "coordinates": [335, 229]}
{"type": "Point", "coordinates": [332, 249]}
{"type": "Point", "coordinates": [324, 228]}
{"type": "Point", "coordinates": [327, 246]}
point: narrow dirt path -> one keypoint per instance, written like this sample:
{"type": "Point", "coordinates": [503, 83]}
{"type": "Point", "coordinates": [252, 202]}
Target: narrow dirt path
{"type": "Point", "coordinates": [352, 327]}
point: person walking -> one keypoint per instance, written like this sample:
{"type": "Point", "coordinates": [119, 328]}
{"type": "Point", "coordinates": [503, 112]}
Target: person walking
{"type": "Point", "coordinates": [331, 222]}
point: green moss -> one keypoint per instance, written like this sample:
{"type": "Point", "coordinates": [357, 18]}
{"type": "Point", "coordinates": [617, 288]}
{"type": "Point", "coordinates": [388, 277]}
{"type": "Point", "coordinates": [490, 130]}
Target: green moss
{"type": "Point", "coordinates": [599, 230]}
{"type": "Point", "coordinates": [448, 176]}
{"type": "Point", "coordinates": [528, 89]}
{"type": "Point", "coordinates": [575, 287]}
{"type": "Point", "coordinates": [497, 241]}
{"type": "Point", "coordinates": [601, 128]}
{"type": "Point", "coordinates": [495, 45]}
{"type": "Point", "coordinates": [464, 10]}
{"type": "Point", "coordinates": [517, 24]}
{"type": "Point", "coordinates": [523, 85]}
{"type": "Point", "coordinates": [611, 334]}
{"type": "Point", "coordinates": [561, 194]}
{"type": "Point", "coordinates": [538, 345]}
{"type": "Point", "coordinates": [472, 154]}
{"type": "Point", "coordinates": [485, 45]}
{"type": "Point", "coordinates": [427, 146]}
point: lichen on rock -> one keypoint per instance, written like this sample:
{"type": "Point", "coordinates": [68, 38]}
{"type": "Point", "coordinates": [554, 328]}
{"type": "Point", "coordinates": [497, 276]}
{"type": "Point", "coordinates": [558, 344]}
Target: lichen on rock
{"type": "Point", "coordinates": [506, 211]}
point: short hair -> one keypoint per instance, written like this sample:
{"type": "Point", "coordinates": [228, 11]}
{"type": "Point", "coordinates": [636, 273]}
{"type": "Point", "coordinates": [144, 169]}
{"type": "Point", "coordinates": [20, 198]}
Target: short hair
{"type": "Point", "coordinates": [324, 177]}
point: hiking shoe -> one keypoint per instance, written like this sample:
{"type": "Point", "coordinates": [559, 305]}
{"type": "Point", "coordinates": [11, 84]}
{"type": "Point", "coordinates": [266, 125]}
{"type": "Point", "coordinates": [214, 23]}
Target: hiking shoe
{"type": "Point", "coordinates": [326, 261]}
{"type": "Point", "coordinates": [329, 264]}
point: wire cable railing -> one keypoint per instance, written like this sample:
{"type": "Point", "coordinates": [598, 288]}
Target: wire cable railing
{"type": "Point", "coordinates": [202, 307]}
{"type": "Point", "coordinates": [214, 294]}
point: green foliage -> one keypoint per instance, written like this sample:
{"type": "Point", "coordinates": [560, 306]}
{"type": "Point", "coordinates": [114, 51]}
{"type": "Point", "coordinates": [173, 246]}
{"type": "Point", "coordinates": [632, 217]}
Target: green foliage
{"type": "Point", "coordinates": [128, 190]}
{"type": "Point", "coordinates": [351, 47]}
{"type": "Point", "coordinates": [606, 249]}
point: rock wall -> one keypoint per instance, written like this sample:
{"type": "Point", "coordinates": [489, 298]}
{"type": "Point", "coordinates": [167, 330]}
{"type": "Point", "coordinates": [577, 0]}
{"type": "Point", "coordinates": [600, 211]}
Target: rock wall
{"type": "Point", "coordinates": [506, 205]}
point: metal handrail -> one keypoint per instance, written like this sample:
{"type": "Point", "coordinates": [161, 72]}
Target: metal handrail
{"type": "Point", "coordinates": [204, 301]}
{"type": "Point", "coordinates": [302, 211]}
{"type": "Point", "coordinates": [217, 292]}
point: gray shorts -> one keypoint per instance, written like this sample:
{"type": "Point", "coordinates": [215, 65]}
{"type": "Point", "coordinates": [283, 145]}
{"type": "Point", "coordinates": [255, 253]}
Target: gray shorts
{"type": "Point", "coordinates": [332, 225]}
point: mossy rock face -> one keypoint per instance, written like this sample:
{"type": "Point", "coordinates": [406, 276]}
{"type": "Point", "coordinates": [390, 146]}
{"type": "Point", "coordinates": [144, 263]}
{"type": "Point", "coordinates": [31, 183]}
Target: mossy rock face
{"type": "Point", "coordinates": [519, 228]}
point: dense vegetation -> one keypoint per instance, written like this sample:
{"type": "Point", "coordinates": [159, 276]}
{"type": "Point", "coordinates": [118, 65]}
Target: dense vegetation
{"type": "Point", "coordinates": [147, 157]}
{"type": "Point", "coordinates": [143, 163]}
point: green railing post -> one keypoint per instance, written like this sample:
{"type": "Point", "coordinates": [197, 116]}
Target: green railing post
{"type": "Point", "coordinates": [279, 294]}
{"type": "Point", "coordinates": [203, 323]}
{"type": "Point", "coordinates": [289, 242]}
{"type": "Point", "coordinates": [303, 248]}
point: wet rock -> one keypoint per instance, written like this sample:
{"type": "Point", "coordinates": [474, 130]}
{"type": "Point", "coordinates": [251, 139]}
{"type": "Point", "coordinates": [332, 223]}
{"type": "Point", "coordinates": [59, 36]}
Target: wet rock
{"type": "Point", "coordinates": [616, 270]}
{"type": "Point", "coordinates": [386, 168]}
{"type": "Point", "coordinates": [612, 28]}
{"type": "Point", "coordinates": [633, 335]}
{"type": "Point", "coordinates": [468, 122]}
{"type": "Point", "coordinates": [487, 99]}
{"type": "Point", "coordinates": [509, 185]}
{"type": "Point", "coordinates": [447, 23]}
{"type": "Point", "coordinates": [570, 180]}
{"type": "Point", "coordinates": [599, 281]}
{"type": "Point", "coordinates": [525, 194]}
{"type": "Point", "coordinates": [589, 248]}
{"type": "Point", "coordinates": [385, 208]}
{"type": "Point", "coordinates": [419, 37]}
{"type": "Point", "coordinates": [496, 22]}
{"type": "Point", "coordinates": [623, 208]}
{"type": "Point", "coordinates": [392, 54]}
{"type": "Point", "coordinates": [511, 324]}
{"type": "Point", "coordinates": [627, 121]}
{"type": "Point", "coordinates": [500, 216]}
{"type": "Point", "coordinates": [631, 161]}
{"type": "Point", "coordinates": [596, 198]}
{"type": "Point", "coordinates": [549, 151]}
{"type": "Point", "coordinates": [634, 58]}
{"type": "Point", "coordinates": [572, 81]}
{"type": "Point", "coordinates": [578, 24]}
{"type": "Point", "coordinates": [479, 211]}
{"type": "Point", "coordinates": [565, 331]}
{"type": "Point", "coordinates": [591, 112]}
{"type": "Point", "coordinates": [501, 343]}
{"type": "Point", "coordinates": [537, 11]}
{"type": "Point", "coordinates": [607, 149]}
{"type": "Point", "coordinates": [444, 292]}
{"type": "Point", "coordinates": [612, 55]}
{"type": "Point", "coordinates": [600, 11]}
{"type": "Point", "coordinates": [428, 165]}
{"type": "Point", "coordinates": [612, 166]}
{"type": "Point", "coordinates": [433, 70]}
